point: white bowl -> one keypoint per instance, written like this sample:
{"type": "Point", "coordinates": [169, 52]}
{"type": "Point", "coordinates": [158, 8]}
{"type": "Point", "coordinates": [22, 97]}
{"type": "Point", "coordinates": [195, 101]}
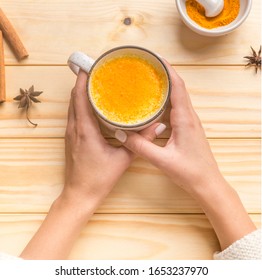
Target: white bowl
{"type": "Point", "coordinates": [245, 6]}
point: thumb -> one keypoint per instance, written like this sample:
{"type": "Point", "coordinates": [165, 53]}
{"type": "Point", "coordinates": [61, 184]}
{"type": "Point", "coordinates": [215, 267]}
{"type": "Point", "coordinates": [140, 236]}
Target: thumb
{"type": "Point", "coordinates": [141, 144]}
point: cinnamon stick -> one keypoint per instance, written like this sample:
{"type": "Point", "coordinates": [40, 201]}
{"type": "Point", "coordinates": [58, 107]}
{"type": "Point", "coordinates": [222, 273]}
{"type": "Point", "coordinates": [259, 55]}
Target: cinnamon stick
{"type": "Point", "coordinates": [12, 37]}
{"type": "Point", "coordinates": [2, 70]}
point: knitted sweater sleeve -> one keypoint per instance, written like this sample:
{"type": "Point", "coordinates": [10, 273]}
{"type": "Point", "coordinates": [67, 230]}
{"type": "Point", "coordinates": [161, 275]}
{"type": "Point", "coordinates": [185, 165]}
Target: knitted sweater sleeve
{"type": "Point", "coordinates": [246, 248]}
{"type": "Point", "coordinates": [4, 256]}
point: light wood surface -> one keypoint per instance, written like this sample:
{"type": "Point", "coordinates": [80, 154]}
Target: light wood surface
{"type": "Point", "coordinates": [128, 237]}
{"type": "Point", "coordinates": [33, 175]}
{"type": "Point", "coordinates": [62, 27]}
{"type": "Point", "coordinates": [145, 216]}
{"type": "Point", "coordinates": [226, 98]}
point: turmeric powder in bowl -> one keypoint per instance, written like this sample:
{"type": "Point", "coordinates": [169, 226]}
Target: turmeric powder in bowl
{"type": "Point", "coordinates": [197, 13]}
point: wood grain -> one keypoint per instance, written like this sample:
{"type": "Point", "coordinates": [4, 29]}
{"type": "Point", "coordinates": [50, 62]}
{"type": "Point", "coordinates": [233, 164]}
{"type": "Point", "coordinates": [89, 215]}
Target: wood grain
{"type": "Point", "coordinates": [53, 29]}
{"type": "Point", "coordinates": [126, 237]}
{"type": "Point", "coordinates": [2, 69]}
{"type": "Point", "coordinates": [227, 100]}
{"type": "Point", "coordinates": [146, 216]}
{"type": "Point", "coordinates": [32, 176]}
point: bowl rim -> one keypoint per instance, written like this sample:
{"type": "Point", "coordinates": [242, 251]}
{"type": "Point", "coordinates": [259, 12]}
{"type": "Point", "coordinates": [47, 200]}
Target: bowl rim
{"type": "Point", "coordinates": [212, 32]}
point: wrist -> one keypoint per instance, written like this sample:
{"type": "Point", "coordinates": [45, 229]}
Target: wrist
{"type": "Point", "coordinates": [225, 211]}
{"type": "Point", "coordinates": [215, 194]}
{"type": "Point", "coordinates": [73, 203]}
{"type": "Point", "coordinates": [208, 186]}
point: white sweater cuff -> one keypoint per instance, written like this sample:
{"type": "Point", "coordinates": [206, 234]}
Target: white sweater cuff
{"type": "Point", "coordinates": [4, 256]}
{"type": "Point", "coordinates": [246, 248]}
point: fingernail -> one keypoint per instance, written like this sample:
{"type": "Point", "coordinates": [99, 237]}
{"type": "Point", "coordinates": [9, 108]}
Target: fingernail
{"type": "Point", "coordinates": [160, 129]}
{"type": "Point", "coordinates": [121, 136]}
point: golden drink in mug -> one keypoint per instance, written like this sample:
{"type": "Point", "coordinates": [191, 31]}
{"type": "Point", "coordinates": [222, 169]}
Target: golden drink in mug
{"type": "Point", "coordinates": [128, 87]}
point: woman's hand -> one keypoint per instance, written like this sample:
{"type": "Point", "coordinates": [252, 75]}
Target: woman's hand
{"type": "Point", "coordinates": [93, 166]}
{"type": "Point", "coordinates": [187, 159]}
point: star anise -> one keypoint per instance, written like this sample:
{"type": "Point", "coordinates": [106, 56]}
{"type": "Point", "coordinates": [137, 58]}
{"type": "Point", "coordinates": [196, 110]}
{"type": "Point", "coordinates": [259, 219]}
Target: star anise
{"type": "Point", "coordinates": [254, 60]}
{"type": "Point", "coordinates": [26, 97]}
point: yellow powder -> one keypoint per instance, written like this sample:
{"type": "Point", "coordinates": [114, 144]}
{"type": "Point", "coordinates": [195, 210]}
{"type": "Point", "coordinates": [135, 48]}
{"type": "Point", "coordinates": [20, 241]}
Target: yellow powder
{"type": "Point", "coordinates": [197, 13]}
{"type": "Point", "coordinates": [127, 89]}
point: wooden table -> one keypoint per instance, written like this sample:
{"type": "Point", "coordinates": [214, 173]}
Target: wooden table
{"type": "Point", "coordinates": [145, 216]}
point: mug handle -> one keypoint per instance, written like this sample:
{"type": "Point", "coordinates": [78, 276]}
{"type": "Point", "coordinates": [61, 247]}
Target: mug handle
{"type": "Point", "coordinates": [79, 60]}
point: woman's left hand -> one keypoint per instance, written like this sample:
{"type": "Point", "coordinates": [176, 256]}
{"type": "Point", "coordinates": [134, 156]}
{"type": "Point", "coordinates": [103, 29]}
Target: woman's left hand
{"type": "Point", "coordinates": [93, 166]}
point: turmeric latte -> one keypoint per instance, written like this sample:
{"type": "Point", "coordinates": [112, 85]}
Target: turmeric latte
{"type": "Point", "coordinates": [127, 89]}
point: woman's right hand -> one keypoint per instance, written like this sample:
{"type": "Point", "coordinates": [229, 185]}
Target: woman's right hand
{"type": "Point", "coordinates": [186, 158]}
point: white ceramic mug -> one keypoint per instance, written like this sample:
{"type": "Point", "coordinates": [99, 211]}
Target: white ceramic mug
{"type": "Point", "coordinates": [79, 60]}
